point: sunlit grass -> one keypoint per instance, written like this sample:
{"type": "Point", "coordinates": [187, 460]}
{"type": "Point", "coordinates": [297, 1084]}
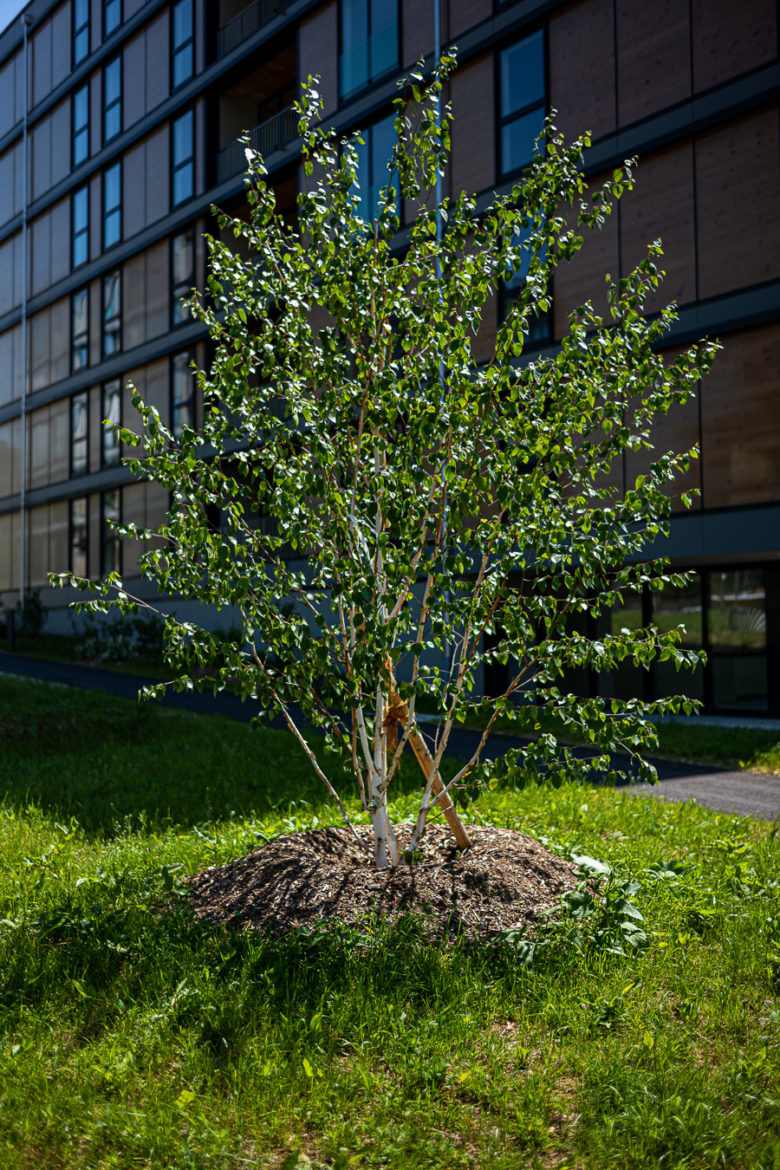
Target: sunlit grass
{"type": "Point", "coordinates": [132, 1036]}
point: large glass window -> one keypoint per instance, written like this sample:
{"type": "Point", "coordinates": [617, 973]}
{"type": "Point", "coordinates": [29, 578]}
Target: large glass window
{"type": "Point", "coordinates": [112, 16]}
{"type": "Point", "coordinates": [110, 545]}
{"type": "Point", "coordinates": [79, 434]}
{"type": "Point", "coordinates": [522, 101]}
{"type": "Point", "coordinates": [112, 313]}
{"type": "Point", "coordinates": [112, 99]}
{"type": "Point", "coordinates": [111, 406]}
{"type": "Point", "coordinates": [80, 22]}
{"type": "Point", "coordinates": [78, 539]}
{"type": "Point", "coordinates": [369, 42]}
{"type": "Point", "coordinates": [79, 220]}
{"type": "Point", "coordinates": [373, 158]}
{"type": "Point", "coordinates": [80, 125]}
{"type": "Point", "coordinates": [112, 205]}
{"type": "Point", "coordinates": [79, 330]}
{"type": "Point", "coordinates": [181, 42]}
{"type": "Point", "coordinates": [677, 609]}
{"type": "Point", "coordinates": [182, 392]}
{"type": "Point", "coordinates": [182, 275]}
{"type": "Point", "coordinates": [182, 154]}
{"type": "Point", "coordinates": [737, 639]}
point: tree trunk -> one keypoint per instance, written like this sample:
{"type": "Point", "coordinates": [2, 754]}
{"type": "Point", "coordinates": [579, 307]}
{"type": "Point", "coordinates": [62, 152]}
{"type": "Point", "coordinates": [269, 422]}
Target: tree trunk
{"type": "Point", "coordinates": [385, 842]}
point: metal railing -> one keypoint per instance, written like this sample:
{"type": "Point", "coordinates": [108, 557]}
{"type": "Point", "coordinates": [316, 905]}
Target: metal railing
{"type": "Point", "coordinates": [248, 22]}
{"type": "Point", "coordinates": [274, 134]}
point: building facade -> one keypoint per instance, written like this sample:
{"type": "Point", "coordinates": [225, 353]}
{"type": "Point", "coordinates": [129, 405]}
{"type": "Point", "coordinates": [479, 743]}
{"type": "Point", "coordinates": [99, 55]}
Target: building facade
{"type": "Point", "coordinates": [119, 122]}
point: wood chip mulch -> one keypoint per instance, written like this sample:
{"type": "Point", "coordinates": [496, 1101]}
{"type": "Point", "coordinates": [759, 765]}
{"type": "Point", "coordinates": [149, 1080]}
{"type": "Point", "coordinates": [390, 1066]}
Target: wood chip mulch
{"type": "Point", "coordinates": [504, 881]}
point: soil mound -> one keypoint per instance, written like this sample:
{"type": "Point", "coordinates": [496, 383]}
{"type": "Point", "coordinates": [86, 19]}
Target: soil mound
{"type": "Point", "coordinates": [504, 881]}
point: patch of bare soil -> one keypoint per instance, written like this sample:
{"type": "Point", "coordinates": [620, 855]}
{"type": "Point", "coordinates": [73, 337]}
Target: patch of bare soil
{"type": "Point", "coordinates": [504, 881]}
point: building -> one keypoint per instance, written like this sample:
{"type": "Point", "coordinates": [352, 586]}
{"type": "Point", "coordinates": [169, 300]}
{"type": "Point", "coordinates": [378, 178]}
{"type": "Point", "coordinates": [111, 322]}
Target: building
{"type": "Point", "coordinates": [118, 127]}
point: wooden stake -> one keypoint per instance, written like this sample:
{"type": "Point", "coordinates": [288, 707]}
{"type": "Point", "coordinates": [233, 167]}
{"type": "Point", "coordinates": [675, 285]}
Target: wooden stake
{"type": "Point", "coordinates": [425, 760]}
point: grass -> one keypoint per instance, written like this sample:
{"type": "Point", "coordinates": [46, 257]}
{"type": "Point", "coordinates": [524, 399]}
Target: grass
{"type": "Point", "coordinates": [131, 1036]}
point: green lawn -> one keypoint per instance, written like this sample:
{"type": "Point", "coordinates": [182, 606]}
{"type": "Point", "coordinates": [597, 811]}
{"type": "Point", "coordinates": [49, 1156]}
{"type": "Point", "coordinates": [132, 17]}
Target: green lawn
{"type": "Point", "coordinates": [130, 1036]}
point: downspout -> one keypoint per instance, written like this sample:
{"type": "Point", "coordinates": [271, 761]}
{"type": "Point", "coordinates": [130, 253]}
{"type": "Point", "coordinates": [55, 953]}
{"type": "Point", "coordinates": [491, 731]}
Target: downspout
{"type": "Point", "coordinates": [26, 22]}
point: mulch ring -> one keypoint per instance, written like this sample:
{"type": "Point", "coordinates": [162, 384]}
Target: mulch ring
{"type": "Point", "coordinates": [504, 881]}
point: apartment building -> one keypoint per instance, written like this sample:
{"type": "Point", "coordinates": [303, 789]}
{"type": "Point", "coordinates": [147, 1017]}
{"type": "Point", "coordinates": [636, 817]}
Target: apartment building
{"type": "Point", "coordinates": [118, 130]}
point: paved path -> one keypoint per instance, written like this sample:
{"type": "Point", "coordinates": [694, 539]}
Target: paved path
{"type": "Point", "coordinates": [744, 793]}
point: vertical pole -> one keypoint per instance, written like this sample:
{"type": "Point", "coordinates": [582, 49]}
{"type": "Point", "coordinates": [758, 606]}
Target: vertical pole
{"type": "Point", "coordinates": [26, 22]}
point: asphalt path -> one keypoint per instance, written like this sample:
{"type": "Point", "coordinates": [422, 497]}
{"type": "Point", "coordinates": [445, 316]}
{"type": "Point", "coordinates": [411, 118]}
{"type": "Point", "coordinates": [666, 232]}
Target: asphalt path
{"type": "Point", "coordinates": [743, 793]}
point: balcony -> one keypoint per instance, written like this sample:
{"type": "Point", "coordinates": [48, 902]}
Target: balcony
{"type": "Point", "coordinates": [249, 21]}
{"type": "Point", "coordinates": [273, 134]}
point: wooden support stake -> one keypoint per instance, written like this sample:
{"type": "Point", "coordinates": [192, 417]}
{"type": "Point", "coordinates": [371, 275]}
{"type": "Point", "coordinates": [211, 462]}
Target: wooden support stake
{"type": "Point", "coordinates": [425, 760]}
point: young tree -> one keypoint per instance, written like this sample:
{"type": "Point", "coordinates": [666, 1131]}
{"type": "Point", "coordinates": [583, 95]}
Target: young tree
{"type": "Point", "coordinates": [387, 513]}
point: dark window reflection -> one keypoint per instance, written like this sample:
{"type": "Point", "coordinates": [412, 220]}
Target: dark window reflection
{"type": "Point", "coordinates": [737, 638]}
{"type": "Point", "coordinates": [182, 275]}
{"type": "Point", "coordinates": [79, 318]}
{"type": "Point", "coordinates": [369, 42]}
{"type": "Point", "coordinates": [182, 394]}
{"type": "Point", "coordinates": [181, 43]}
{"type": "Point", "coordinates": [522, 101]}
{"type": "Point", "coordinates": [79, 536]}
{"type": "Point", "coordinates": [111, 414]}
{"type": "Point", "coordinates": [112, 313]}
{"type": "Point", "coordinates": [109, 540]}
{"type": "Point", "coordinates": [79, 434]}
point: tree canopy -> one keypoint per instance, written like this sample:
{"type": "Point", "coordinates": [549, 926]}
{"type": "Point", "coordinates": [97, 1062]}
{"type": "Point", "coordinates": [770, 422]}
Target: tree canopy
{"type": "Point", "coordinates": [388, 513]}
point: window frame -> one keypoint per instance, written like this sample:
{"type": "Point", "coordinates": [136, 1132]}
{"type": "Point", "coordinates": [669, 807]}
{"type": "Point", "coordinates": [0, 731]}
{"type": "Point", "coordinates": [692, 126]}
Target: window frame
{"type": "Point", "coordinates": [77, 31]}
{"type": "Point", "coordinates": [177, 289]}
{"type": "Point", "coordinates": [77, 131]}
{"type": "Point", "coordinates": [79, 399]}
{"type": "Point", "coordinates": [72, 533]}
{"type": "Point", "coordinates": [188, 161]}
{"type": "Point", "coordinates": [110, 326]}
{"type": "Point", "coordinates": [115, 104]}
{"type": "Point", "coordinates": [345, 95]}
{"type": "Point", "coordinates": [74, 343]}
{"type": "Point", "coordinates": [183, 359]}
{"type": "Point", "coordinates": [503, 120]}
{"type": "Point", "coordinates": [108, 213]}
{"type": "Point", "coordinates": [77, 234]}
{"type": "Point", "coordinates": [178, 49]}
{"type": "Point", "coordinates": [106, 536]}
{"type": "Point", "coordinates": [110, 446]}
{"type": "Point", "coordinates": [106, 5]}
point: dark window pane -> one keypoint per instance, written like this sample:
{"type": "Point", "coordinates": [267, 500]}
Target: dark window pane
{"type": "Point", "coordinates": [110, 541]}
{"type": "Point", "coordinates": [182, 65]}
{"type": "Point", "coordinates": [112, 83]}
{"type": "Point", "coordinates": [182, 138]}
{"type": "Point", "coordinates": [182, 183]}
{"type": "Point", "coordinates": [80, 227]}
{"type": "Point", "coordinates": [80, 116]}
{"type": "Point", "coordinates": [737, 611]}
{"type": "Point", "coordinates": [112, 217]}
{"type": "Point", "coordinates": [673, 609]}
{"type": "Point", "coordinates": [182, 392]}
{"type": "Point", "coordinates": [182, 274]}
{"type": "Point", "coordinates": [80, 24]}
{"type": "Point", "coordinates": [78, 434]}
{"type": "Point", "coordinates": [182, 22]}
{"type": "Point", "coordinates": [112, 413]}
{"type": "Point", "coordinates": [517, 140]}
{"type": "Point", "coordinates": [522, 75]}
{"type": "Point", "coordinates": [112, 314]}
{"type": "Point", "coordinates": [112, 16]}
{"type": "Point", "coordinates": [78, 536]}
{"type": "Point", "coordinates": [80, 330]}
{"type": "Point", "coordinates": [369, 42]}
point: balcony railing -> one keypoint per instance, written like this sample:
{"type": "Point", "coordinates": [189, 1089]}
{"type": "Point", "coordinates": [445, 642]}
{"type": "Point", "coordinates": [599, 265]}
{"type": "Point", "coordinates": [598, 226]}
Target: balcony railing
{"type": "Point", "coordinates": [274, 134]}
{"type": "Point", "coordinates": [248, 22]}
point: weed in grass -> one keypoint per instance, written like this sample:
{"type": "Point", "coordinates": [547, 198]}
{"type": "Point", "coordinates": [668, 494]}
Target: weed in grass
{"type": "Point", "coordinates": [131, 1035]}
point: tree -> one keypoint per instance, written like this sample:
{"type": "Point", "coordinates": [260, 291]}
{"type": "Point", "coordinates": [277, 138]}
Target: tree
{"type": "Point", "coordinates": [387, 513]}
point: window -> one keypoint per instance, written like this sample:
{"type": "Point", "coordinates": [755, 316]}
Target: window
{"type": "Point", "coordinates": [112, 205]}
{"type": "Point", "coordinates": [79, 222]}
{"type": "Point", "coordinates": [182, 392]}
{"type": "Point", "coordinates": [182, 155]}
{"type": "Point", "coordinates": [79, 434]}
{"type": "Point", "coordinates": [181, 42]}
{"type": "Point", "coordinates": [182, 275]}
{"type": "Point", "coordinates": [80, 123]}
{"type": "Point", "coordinates": [112, 16]}
{"type": "Point", "coordinates": [111, 407]}
{"type": "Point", "coordinates": [111, 318]}
{"type": "Point", "coordinates": [369, 42]}
{"type": "Point", "coordinates": [78, 536]}
{"type": "Point", "coordinates": [522, 101]}
{"type": "Point", "coordinates": [110, 515]}
{"type": "Point", "coordinates": [373, 158]}
{"type": "Point", "coordinates": [79, 330]}
{"type": "Point", "coordinates": [80, 20]}
{"type": "Point", "coordinates": [539, 326]}
{"type": "Point", "coordinates": [112, 100]}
